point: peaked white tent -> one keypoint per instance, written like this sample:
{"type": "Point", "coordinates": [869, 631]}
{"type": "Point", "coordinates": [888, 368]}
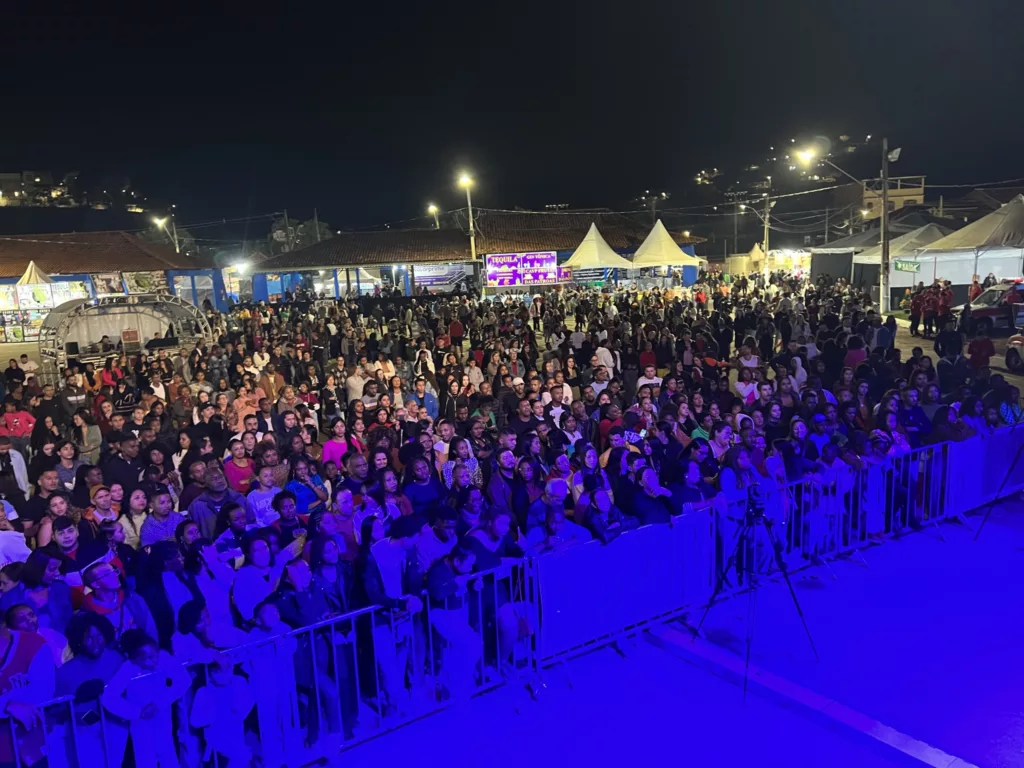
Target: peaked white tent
{"type": "Point", "coordinates": [741, 265]}
{"type": "Point", "coordinates": [993, 244]}
{"type": "Point", "coordinates": [660, 250]}
{"type": "Point", "coordinates": [34, 276]}
{"type": "Point", "coordinates": [904, 246]}
{"type": "Point", "coordinates": [595, 253]}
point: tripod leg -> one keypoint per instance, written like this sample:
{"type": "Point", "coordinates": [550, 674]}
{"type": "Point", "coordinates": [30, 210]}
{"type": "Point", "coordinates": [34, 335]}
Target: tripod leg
{"type": "Point", "coordinates": [777, 548]}
{"type": "Point", "coordinates": [751, 606]}
{"type": "Point", "coordinates": [740, 538]}
{"type": "Point", "coordinates": [1002, 485]}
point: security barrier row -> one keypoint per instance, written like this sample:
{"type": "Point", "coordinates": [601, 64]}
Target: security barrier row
{"type": "Point", "coordinates": [298, 696]}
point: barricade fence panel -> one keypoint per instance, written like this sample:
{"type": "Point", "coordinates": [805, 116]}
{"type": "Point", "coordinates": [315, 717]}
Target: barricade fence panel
{"type": "Point", "coordinates": [291, 696]}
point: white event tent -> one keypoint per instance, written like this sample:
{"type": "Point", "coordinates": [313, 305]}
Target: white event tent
{"type": "Point", "coordinates": [660, 250]}
{"type": "Point", "coordinates": [595, 253]}
{"type": "Point", "coordinates": [904, 246]}
{"type": "Point", "coordinates": [741, 265]}
{"type": "Point", "coordinates": [994, 244]}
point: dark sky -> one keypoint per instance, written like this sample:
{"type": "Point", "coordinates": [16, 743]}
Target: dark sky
{"type": "Point", "coordinates": [367, 112]}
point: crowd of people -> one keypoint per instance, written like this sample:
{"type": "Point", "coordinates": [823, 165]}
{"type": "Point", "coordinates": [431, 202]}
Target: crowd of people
{"type": "Point", "coordinates": [325, 457]}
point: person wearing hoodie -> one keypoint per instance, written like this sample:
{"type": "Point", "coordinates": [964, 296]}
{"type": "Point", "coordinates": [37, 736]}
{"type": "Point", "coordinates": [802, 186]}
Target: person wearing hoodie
{"type": "Point", "coordinates": [108, 598]}
{"type": "Point", "coordinates": [70, 399]}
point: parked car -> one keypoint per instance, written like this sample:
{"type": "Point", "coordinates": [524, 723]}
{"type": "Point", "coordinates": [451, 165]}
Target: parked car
{"type": "Point", "coordinates": [1015, 354]}
{"type": "Point", "coordinates": [1000, 306]}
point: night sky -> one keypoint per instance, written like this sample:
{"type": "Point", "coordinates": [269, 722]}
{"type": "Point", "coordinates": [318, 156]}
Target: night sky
{"type": "Point", "coordinates": [367, 114]}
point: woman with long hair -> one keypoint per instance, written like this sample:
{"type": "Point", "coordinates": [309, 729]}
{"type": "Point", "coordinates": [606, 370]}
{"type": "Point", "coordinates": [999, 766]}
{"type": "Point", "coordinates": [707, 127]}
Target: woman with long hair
{"type": "Point", "coordinates": [387, 494]}
{"type": "Point", "coordinates": [1010, 410]}
{"type": "Point", "coordinates": [44, 458]}
{"type": "Point", "coordinates": [45, 429]}
{"type": "Point", "coordinates": [461, 450]}
{"type": "Point", "coordinates": [588, 464]}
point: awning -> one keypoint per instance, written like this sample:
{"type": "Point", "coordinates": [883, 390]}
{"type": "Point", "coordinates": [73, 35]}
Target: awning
{"type": "Point", "coordinates": [594, 252]}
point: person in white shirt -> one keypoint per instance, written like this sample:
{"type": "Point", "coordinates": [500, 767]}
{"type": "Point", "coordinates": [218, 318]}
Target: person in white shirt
{"type": "Point", "coordinates": [604, 356]}
{"type": "Point", "coordinates": [650, 377]}
{"type": "Point", "coordinates": [576, 338]}
{"type": "Point", "coordinates": [29, 366]}
{"type": "Point", "coordinates": [260, 359]}
{"type": "Point", "coordinates": [13, 548]}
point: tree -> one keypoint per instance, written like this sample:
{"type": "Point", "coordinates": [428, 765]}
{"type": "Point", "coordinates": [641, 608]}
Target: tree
{"type": "Point", "coordinates": [298, 234]}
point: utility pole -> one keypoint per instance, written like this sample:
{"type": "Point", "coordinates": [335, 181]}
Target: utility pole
{"type": "Point", "coordinates": [287, 232]}
{"type": "Point", "coordinates": [736, 229]}
{"type": "Point", "coordinates": [316, 225]}
{"type": "Point", "coordinates": [174, 236]}
{"type": "Point", "coordinates": [883, 298]}
{"type": "Point", "coordinates": [767, 218]}
{"type": "Point", "coordinates": [826, 225]}
{"type": "Point", "coordinates": [472, 230]}
{"type": "Point", "coordinates": [940, 206]}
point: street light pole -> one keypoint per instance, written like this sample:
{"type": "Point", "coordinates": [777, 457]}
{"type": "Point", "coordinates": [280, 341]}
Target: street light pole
{"type": "Point", "coordinates": [467, 182]}
{"type": "Point", "coordinates": [432, 210]}
{"type": "Point", "coordinates": [883, 296]}
{"type": "Point", "coordinates": [736, 228]}
{"type": "Point", "coordinates": [767, 215]}
{"type": "Point", "coordinates": [161, 224]}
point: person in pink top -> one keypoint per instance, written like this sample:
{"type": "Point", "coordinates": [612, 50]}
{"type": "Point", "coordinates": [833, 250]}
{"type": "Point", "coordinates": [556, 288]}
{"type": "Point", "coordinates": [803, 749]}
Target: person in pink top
{"type": "Point", "coordinates": [856, 352]}
{"type": "Point", "coordinates": [239, 469]}
{"type": "Point", "coordinates": [338, 445]}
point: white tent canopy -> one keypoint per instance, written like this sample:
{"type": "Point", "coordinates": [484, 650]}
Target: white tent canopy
{"type": "Point", "coordinates": [34, 276]}
{"type": "Point", "coordinates": [994, 243]}
{"type": "Point", "coordinates": [660, 250]}
{"type": "Point", "coordinates": [1003, 228]}
{"type": "Point", "coordinates": [594, 252]}
{"type": "Point", "coordinates": [744, 264]}
{"type": "Point", "coordinates": [904, 246]}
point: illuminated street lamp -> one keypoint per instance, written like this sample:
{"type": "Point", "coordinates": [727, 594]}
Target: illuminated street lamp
{"type": "Point", "coordinates": [805, 156]}
{"type": "Point", "coordinates": [432, 210]}
{"type": "Point", "coordinates": [173, 234]}
{"type": "Point", "coordinates": [466, 182]}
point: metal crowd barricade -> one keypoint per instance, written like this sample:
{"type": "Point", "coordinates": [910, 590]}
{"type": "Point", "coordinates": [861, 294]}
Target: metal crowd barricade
{"type": "Point", "coordinates": [307, 693]}
{"type": "Point", "coordinates": [592, 594]}
{"type": "Point", "coordinates": [324, 687]}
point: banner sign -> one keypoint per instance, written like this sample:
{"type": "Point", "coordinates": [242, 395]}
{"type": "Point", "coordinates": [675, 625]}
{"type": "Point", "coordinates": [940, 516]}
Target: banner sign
{"type": "Point", "coordinates": [906, 266]}
{"type": "Point", "coordinates": [107, 283]}
{"type": "Point", "coordinates": [515, 269]}
{"type": "Point", "coordinates": [439, 275]}
{"type": "Point", "coordinates": [38, 296]}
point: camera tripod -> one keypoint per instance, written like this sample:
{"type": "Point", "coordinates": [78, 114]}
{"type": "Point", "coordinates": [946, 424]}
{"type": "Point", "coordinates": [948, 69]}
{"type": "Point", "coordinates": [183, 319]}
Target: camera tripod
{"type": "Point", "coordinates": [746, 569]}
{"type": "Point", "coordinates": [1006, 478]}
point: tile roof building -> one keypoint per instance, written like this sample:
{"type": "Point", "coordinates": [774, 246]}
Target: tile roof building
{"type": "Point", "coordinates": [79, 252]}
{"type": "Point", "coordinates": [496, 232]}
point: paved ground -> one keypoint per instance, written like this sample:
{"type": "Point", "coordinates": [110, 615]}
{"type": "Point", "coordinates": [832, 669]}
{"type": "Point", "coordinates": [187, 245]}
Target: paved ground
{"type": "Point", "coordinates": [647, 708]}
{"type": "Point", "coordinates": [905, 342]}
{"type": "Point", "coordinates": [925, 639]}
{"type": "Point", "coordinates": [920, 648]}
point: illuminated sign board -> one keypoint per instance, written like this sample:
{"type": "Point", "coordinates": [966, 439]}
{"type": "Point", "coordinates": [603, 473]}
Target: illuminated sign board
{"type": "Point", "coordinates": [520, 269]}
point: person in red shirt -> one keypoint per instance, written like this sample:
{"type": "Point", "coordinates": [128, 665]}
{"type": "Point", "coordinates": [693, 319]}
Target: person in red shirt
{"type": "Point", "coordinates": [457, 332]}
{"type": "Point", "coordinates": [930, 306]}
{"type": "Point", "coordinates": [975, 290]}
{"type": "Point", "coordinates": [981, 350]}
{"type": "Point", "coordinates": [916, 307]}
